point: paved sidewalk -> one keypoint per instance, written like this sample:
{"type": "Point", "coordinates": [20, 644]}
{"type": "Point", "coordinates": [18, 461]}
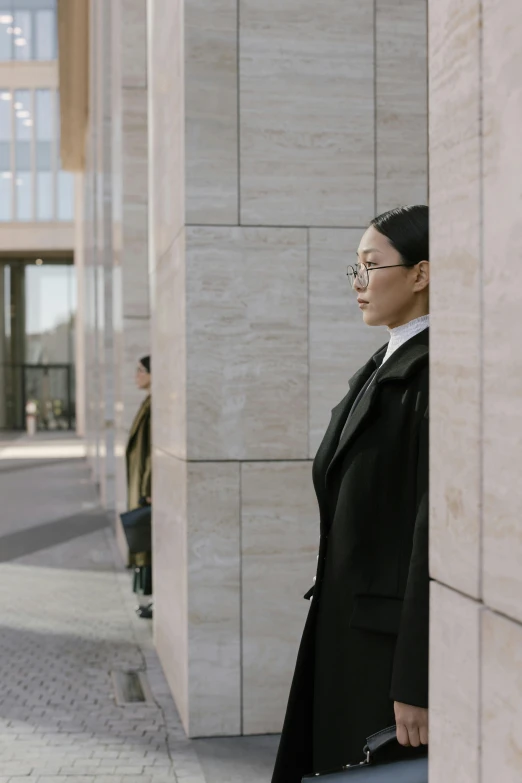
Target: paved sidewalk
{"type": "Point", "coordinates": [67, 621]}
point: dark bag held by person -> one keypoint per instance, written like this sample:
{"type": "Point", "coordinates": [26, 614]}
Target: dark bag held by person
{"type": "Point", "coordinates": [414, 770]}
{"type": "Point", "coordinates": [138, 529]}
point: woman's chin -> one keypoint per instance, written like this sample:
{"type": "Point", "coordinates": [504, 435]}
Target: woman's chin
{"type": "Point", "coordinates": [371, 319]}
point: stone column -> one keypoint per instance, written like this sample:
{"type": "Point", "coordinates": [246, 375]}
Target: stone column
{"type": "Point", "coordinates": [130, 220]}
{"type": "Point", "coordinates": [115, 238]}
{"type": "Point", "coordinates": [476, 421]}
{"type": "Point", "coordinates": [105, 251]}
{"type": "Point", "coordinates": [99, 256]}
{"type": "Point", "coordinates": [81, 297]}
{"type": "Point", "coordinates": [3, 355]}
{"type": "Point", "coordinates": [92, 432]}
{"type": "Point", "coordinates": [277, 132]}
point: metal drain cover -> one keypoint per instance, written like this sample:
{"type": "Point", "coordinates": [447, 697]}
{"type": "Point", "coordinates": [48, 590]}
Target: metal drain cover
{"type": "Point", "coordinates": [131, 687]}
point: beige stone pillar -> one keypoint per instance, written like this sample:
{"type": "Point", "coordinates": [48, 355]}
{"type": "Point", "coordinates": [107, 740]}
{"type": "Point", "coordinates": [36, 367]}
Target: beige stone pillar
{"type": "Point", "coordinates": [267, 161]}
{"type": "Point", "coordinates": [113, 237]}
{"type": "Point", "coordinates": [81, 296]}
{"type": "Point", "coordinates": [75, 60]}
{"type": "Point", "coordinates": [130, 220]}
{"type": "Point", "coordinates": [92, 430]}
{"type": "Point", "coordinates": [476, 421]}
{"type": "Point", "coordinates": [100, 416]}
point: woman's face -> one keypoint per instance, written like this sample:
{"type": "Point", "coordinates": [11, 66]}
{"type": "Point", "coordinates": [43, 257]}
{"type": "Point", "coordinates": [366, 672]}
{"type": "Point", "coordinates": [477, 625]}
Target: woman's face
{"type": "Point", "coordinates": [395, 295]}
{"type": "Point", "coordinates": [142, 377]}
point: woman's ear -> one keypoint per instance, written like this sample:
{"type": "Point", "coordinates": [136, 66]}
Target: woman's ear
{"type": "Point", "coordinates": [422, 278]}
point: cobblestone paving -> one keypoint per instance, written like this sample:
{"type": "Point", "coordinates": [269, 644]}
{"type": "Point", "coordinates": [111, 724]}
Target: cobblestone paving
{"type": "Point", "coordinates": [66, 622]}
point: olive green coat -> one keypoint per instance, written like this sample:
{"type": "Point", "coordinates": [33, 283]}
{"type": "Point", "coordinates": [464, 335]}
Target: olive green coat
{"type": "Point", "coordinates": [138, 457]}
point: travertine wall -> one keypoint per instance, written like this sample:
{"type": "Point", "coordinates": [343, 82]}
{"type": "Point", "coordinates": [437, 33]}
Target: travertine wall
{"type": "Point", "coordinates": [277, 130]}
{"type": "Point", "coordinates": [98, 276]}
{"type": "Point", "coordinates": [476, 412]}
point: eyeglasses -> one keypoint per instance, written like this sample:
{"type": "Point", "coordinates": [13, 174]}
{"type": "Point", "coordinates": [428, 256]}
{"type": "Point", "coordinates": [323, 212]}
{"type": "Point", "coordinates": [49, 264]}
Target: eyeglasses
{"type": "Point", "coordinates": [361, 274]}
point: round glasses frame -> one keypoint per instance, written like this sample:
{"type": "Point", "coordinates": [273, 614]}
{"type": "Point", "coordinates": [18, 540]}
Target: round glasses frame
{"type": "Point", "coordinates": [361, 273]}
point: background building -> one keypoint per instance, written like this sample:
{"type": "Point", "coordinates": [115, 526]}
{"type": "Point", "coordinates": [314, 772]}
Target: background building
{"type": "Point", "coordinates": [231, 156]}
{"type": "Point", "coordinates": [37, 286]}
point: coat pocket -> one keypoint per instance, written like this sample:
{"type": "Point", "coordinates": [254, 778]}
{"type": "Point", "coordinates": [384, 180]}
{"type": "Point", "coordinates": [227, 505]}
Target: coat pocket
{"type": "Point", "coordinates": [376, 613]}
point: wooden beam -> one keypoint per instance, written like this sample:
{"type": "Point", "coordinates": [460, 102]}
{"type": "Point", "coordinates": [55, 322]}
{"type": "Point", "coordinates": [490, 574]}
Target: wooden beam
{"type": "Point", "coordinates": [73, 64]}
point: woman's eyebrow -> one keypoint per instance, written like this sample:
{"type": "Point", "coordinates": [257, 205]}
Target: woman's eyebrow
{"type": "Point", "coordinates": [368, 251]}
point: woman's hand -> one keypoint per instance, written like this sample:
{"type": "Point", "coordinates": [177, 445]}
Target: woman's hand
{"type": "Point", "coordinates": [412, 725]}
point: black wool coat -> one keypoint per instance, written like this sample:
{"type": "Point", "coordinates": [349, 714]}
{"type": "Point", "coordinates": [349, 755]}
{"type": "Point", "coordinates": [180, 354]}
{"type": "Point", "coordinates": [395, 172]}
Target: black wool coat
{"type": "Point", "coordinates": [365, 642]}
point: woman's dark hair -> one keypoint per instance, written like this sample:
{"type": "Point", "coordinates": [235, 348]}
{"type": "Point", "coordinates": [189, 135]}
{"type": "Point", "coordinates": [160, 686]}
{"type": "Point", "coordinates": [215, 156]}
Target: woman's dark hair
{"type": "Point", "coordinates": [408, 230]}
{"type": "Point", "coordinates": [145, 361]}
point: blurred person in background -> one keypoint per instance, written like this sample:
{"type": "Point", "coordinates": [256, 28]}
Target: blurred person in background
{"type": "Point", "coordinates": [139, 481]}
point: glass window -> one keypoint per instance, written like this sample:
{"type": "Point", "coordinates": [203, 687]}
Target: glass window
{"type": "Point", "coordinates": [22, 35]}
{"type": "Point", "coordinates": [44, 115]}
{"type": "Point", "coordinates": [24, 195]}
{"type": "Point", "coordinates": [50, 303]}
{"type": "Point", "coordinates": [44, 195]}
{"type": "Point", "coordinates": [24, 168]}
{"type": "Point", "coordinates": [32, 183]}
{"type": "Point", "coordinates": [65, 195]}
{"type": "Point", "coordinates": [6, 205]}
{"type": "Point", "coordinates": [6, 33]}
{"type": "Point", "coordinates": [37, 311]}
{"type": "Point", "coordinates": [28, 30]}
{"type": "Point", "coordinates": [44, 154]}
{"type": "Point", "coordinates": [65, 178]}
{"type": "Point", "coordinates": [45, 35]}
{"type": "Point", "coordinates": [6, 176]}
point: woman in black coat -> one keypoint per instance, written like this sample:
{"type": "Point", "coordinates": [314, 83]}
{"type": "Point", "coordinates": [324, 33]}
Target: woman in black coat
{"type": "Point", "coordinates": [363, 660]}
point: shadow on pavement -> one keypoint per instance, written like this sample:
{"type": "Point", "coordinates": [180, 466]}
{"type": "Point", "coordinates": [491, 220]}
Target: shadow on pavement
{"type": "Point", "coordinates": [34, 539]}
{"type": "Point", "coordinates": [32, 465]}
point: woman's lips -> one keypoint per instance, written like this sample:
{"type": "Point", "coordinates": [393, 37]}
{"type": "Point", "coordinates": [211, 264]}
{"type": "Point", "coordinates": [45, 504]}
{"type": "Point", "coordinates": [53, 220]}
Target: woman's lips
{"type": "Point", "coordinates": [362, 303]}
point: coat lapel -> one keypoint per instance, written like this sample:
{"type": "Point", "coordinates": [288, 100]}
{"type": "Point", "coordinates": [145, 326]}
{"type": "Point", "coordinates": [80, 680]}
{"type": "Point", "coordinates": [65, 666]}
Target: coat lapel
{"type": "Point", "coordinates": [330, 441]}
{"type": "Point", "coordinates": [403, 363]}
{"type": "Point", "coordinates": [354, 424]}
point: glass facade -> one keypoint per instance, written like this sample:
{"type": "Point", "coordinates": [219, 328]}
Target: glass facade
{"type": "Point", "coordinates": [23, 153]}
{"type": "Point", "coordinates": [32, 184]}
{"type": "Point", "coordinates": [37, 297]}
{"type": "Point", "coordinates": [37, 321]}
{"type": "Point", "coordinates": [28, 30]}
{"type": "Point", "coordinates": [6, 162]}
{"type": "Point", "coordinates": [45, 152]}
{"type": "Point", "coordinates": [50, 301]}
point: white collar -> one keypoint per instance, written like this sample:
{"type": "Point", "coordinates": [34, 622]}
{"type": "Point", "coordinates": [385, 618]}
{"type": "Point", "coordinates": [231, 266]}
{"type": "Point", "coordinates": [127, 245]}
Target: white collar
{"type": "Point", "coordinates": [401, 334]}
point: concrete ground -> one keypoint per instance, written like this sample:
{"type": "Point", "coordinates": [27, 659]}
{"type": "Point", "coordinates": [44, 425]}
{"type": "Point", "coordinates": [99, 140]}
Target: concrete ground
{"type": "Point", "coordinates": [67, 622]}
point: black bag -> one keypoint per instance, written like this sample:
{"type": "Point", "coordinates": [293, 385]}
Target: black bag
{"type": "Point", "coordinates": [138, 529]}
{"type": "Point", "coordinates": [414, 770]}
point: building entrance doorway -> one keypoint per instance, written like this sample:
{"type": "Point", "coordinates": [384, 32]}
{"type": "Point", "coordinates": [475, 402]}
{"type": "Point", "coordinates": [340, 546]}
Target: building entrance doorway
{"type": "Point", "coordinates": [37, 310]}
{"type": "Point", "coordinates": [47, 389]}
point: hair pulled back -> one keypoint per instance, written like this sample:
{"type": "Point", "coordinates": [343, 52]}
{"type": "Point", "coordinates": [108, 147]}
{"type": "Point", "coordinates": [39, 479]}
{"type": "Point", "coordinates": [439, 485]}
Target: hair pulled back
{"type": "Point", "coordinates": [407, 230]}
